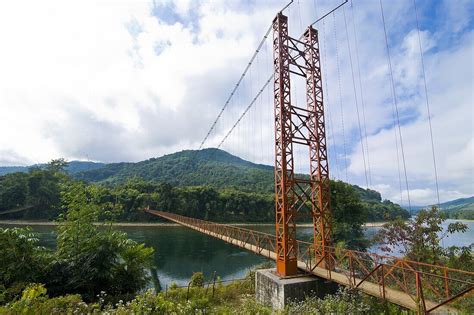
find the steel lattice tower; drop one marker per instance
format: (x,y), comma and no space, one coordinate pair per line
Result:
(299,126)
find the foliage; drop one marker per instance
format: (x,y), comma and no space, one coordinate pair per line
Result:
(461,214)
(33,291)
(13,190)
(420,239)
(234,298)
(21,259)
(208,184)
(71,168)
(462,208)
(343,302)
(35,301)
(197,280)
(378,210)
(37,191)
(349,215)
(384,211)
(90,258)
(211,167)
(221,170)
(125,203)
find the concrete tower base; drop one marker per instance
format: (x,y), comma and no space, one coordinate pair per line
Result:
(277,292)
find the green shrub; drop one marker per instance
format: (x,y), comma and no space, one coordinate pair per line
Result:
(35,301)
(344,302)
(197,279)
(173,286)
(21,258)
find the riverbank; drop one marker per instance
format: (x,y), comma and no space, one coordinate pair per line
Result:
(151,224)
(52,223)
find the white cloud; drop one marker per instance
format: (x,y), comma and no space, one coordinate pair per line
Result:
(128,80)
(450,92)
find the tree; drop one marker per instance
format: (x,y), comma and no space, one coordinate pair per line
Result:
(89,258)
(420,239)
(21,260)
(197,279)
(37,189)
(349,215)
(13,190)
(57,166)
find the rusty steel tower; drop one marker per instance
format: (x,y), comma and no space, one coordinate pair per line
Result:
(299,126)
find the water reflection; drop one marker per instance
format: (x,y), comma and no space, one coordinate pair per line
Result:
(180,251)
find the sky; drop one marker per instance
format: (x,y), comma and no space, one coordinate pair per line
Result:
(126,80)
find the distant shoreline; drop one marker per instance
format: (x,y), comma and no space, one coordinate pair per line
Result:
(151,224)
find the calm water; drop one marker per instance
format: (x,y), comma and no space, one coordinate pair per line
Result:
(181,251)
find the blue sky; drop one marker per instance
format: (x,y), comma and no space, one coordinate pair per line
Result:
(126,81)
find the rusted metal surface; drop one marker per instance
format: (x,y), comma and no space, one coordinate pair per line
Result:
(319,166)
(285,196)
(419,286)
(299,126)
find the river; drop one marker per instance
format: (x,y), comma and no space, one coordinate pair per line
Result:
(180,251)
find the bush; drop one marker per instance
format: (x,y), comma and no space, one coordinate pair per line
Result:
(197,279)
(344,302)
(90,259)
(35,301)
(22,260)
(234,298)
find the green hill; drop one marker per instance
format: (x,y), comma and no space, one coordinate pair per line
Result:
(378,209)
(458,204)
(462,208)
(184,170)
(211,167)
(220,170)
(72,168)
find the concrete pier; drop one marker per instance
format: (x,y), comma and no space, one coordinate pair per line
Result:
(277,292)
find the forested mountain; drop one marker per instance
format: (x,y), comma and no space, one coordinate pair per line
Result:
(378,209)
(241,189)
(462,208)
(73,167)
(12,169)
(211,167)
(458,204)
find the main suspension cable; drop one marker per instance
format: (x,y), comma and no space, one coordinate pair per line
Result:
(332,11)
(395,104)
(427,103)
(240,80)
(236,86)
(245,111)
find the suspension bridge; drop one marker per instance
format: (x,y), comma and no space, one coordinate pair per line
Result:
(299,134)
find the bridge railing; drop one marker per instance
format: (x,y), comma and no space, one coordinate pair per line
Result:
(429,286)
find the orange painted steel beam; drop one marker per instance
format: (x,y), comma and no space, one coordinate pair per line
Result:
(284,175)
(299,126)
(319,165)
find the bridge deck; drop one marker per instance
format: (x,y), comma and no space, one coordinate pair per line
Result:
(399,281)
